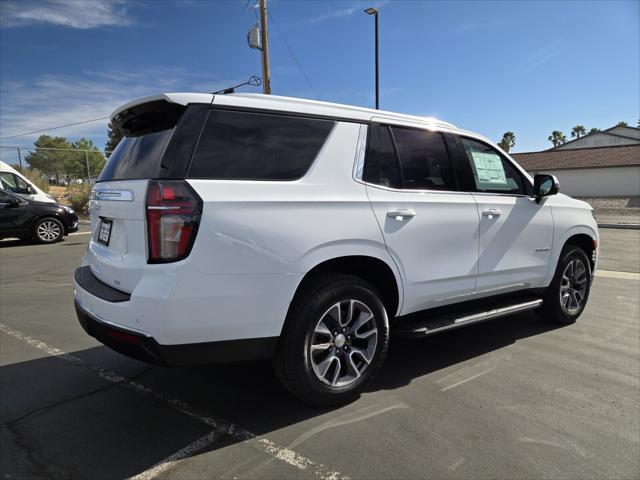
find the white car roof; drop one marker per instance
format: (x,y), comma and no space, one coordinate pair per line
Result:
(288,104)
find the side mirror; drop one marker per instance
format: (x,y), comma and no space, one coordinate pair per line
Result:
(545,185)
(31,190)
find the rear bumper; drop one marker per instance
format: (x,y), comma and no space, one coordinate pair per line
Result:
(145,348)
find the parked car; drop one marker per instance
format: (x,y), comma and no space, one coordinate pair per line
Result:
(13,181)
(44,222)
(235,227)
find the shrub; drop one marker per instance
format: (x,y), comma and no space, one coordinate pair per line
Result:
(78,196)
(38,178)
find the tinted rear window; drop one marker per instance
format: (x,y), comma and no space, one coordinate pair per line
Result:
(424,159)
(136,157)
(257,146)
(381,165)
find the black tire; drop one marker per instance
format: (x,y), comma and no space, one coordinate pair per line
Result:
(553,309)
(48,230)
(293,362)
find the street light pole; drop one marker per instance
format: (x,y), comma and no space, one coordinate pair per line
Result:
(374,12)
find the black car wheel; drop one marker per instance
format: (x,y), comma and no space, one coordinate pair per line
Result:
(567,295)
(49,230)
(334,341)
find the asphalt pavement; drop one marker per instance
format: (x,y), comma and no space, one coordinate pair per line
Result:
(511,398)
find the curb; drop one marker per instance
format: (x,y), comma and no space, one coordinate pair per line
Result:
(626,226)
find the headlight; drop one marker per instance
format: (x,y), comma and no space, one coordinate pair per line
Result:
(68,209)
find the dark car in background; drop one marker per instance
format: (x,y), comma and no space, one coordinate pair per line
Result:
(44,222)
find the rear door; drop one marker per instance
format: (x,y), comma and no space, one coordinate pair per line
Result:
(430,228)
(516,232)
(159,140)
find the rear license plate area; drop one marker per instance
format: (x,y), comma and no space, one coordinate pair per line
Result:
(104,231)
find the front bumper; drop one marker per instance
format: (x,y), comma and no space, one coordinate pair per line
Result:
(145,348)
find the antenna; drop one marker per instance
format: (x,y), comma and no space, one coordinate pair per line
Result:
(254,81)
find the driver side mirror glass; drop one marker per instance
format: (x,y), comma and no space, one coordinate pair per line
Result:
(545,185)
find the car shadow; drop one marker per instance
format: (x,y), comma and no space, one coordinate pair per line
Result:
(7,243)
(16,242)
(65,419)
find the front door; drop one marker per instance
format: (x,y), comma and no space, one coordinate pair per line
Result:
(430,228)
(516,232)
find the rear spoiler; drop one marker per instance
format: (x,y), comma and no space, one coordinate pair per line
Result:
(154,113)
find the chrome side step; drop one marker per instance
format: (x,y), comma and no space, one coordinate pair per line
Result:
(450,321)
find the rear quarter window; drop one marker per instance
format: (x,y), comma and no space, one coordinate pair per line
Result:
(257,146)
(136,157)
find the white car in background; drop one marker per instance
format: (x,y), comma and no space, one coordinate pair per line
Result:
(244,226)
(13,181)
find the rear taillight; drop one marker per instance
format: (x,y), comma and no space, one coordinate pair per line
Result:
(173,216)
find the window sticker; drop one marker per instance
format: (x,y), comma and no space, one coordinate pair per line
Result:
(489,170)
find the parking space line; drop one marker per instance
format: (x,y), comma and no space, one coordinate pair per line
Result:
(80,233)
(619,275)
(220,426)
(171,460)
(467,379)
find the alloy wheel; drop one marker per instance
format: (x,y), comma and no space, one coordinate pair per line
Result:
(343,343)
(573,286)
(49,231)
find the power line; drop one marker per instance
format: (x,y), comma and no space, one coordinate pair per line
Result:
(54,128)
(293,55)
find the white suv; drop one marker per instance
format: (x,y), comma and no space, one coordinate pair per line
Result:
(237,227)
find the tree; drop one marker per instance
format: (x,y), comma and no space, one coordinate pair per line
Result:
(557,138)
(114,138)
(622,123)
(51,162)
(578,131)
(508,141)
(594,130)
(79,162)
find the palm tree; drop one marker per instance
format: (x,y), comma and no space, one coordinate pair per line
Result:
(557,138)
(578,131)
(594,130)
(622,123)
(508,141)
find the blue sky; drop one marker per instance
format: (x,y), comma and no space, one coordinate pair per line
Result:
(528,67)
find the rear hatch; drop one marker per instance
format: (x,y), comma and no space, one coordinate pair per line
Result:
(159,139)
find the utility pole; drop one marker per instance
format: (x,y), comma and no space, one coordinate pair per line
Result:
(20,160)
(86,158)
(266,75)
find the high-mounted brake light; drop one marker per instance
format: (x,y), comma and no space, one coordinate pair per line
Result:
(173,215)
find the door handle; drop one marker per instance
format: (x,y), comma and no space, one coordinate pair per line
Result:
(492,212)
(401,214)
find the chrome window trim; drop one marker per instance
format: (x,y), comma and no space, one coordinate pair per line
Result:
(361,147)
(358,169)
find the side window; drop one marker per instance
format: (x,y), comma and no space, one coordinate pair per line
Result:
(424,160)
(257,146)
(8,181)
(492,172)
(22,185)
(381,165)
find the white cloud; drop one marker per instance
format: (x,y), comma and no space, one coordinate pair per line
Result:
(82,14)
(52,100)
(345,12)
(539,57)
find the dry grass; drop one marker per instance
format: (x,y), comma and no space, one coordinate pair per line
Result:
(60,194)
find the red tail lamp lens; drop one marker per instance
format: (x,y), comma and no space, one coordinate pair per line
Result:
(173,216)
